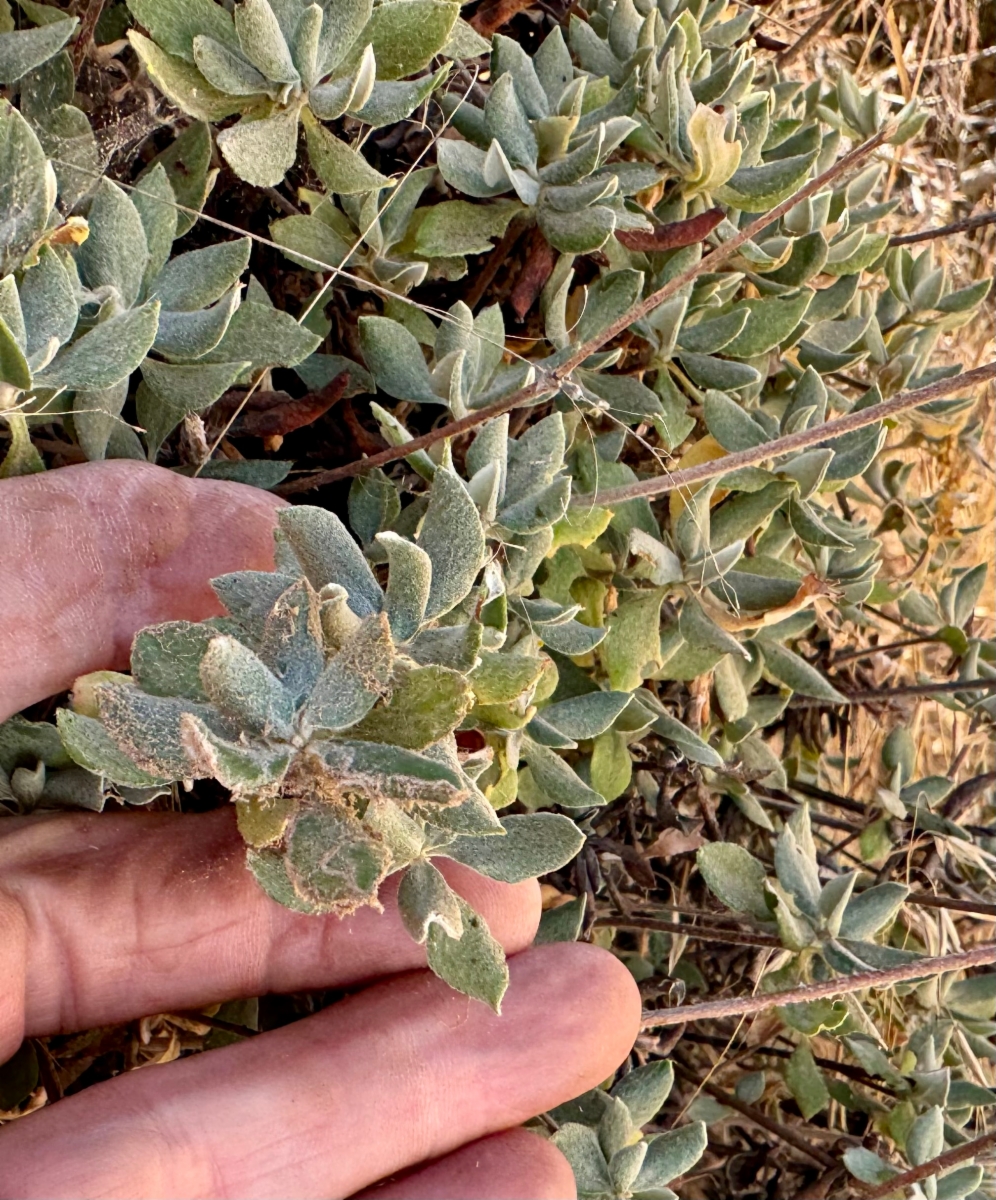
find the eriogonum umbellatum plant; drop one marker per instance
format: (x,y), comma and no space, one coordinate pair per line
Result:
(500,645)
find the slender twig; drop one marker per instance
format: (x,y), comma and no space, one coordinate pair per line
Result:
(786,1134)
(951,1158)
(219,1023)
(868,651)
(810,35)
(738,1006)
(926,235)
(977,907)
(742,1051)
(550,381)
(85,34)
(880,695)
(732,937)
(817,818)
(818,793)
(861,419)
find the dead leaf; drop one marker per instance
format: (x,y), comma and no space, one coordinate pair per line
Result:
(273,414)
(673,235)
(671,842)
(536,270)
(812,590)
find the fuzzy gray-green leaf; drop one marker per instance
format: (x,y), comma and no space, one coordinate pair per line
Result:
(106,354)
(354,680)
(426,900)
(473,964)
(244,688)
(22,50)
(533,845)
(330,555)
(408,583)
(90,745)
(792,670)
(453,538)
(558,783)
(734,876)
(198,278)
(671,1154)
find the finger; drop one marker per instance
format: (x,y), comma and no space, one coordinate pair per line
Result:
(92,553)
(514,1165)
(407,1071)
(132,913)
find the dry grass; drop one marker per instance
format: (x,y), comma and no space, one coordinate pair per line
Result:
(942,53)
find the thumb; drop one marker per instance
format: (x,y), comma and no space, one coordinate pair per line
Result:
(93,553)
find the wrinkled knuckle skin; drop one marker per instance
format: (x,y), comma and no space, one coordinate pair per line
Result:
(13,958)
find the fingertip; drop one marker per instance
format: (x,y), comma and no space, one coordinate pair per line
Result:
(13,969)
(597,1010)
(514,1165)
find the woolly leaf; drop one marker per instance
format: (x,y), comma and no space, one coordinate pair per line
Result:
(407,34)
(408,584)
(340,168)
(533,845)
(632,649)
(671,1154)
(261,150)
(106,354)
(453,538)
(734,876)
(426,900)
(395,359)
(200,277)
(556,781)
(806,1083)
(90,745)
(871,910)
(475,963)
(393,773)
(244,689)
(425,705)
(457,227)
(645,1089)
(788,668)
(22,50)
(584,717)
(27,187)
(166,659)
(330,555)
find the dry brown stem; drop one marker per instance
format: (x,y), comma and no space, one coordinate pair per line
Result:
(740,1006)
(549,382)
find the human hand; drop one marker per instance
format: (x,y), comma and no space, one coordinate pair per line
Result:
(110,917)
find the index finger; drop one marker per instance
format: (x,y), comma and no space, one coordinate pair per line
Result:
(92,553)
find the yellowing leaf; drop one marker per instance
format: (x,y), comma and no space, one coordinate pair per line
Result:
(714,159)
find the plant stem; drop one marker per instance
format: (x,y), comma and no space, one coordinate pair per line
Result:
(925,235)
(868,651)
(549,382)
(731,937)
(790,444)
(818,793)
(883,694)
(797,47)
(740,1006)
(950,1158)
(977,907)
(786,1134)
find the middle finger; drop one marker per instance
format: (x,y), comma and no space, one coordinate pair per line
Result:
(403,1072)
(137,913)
